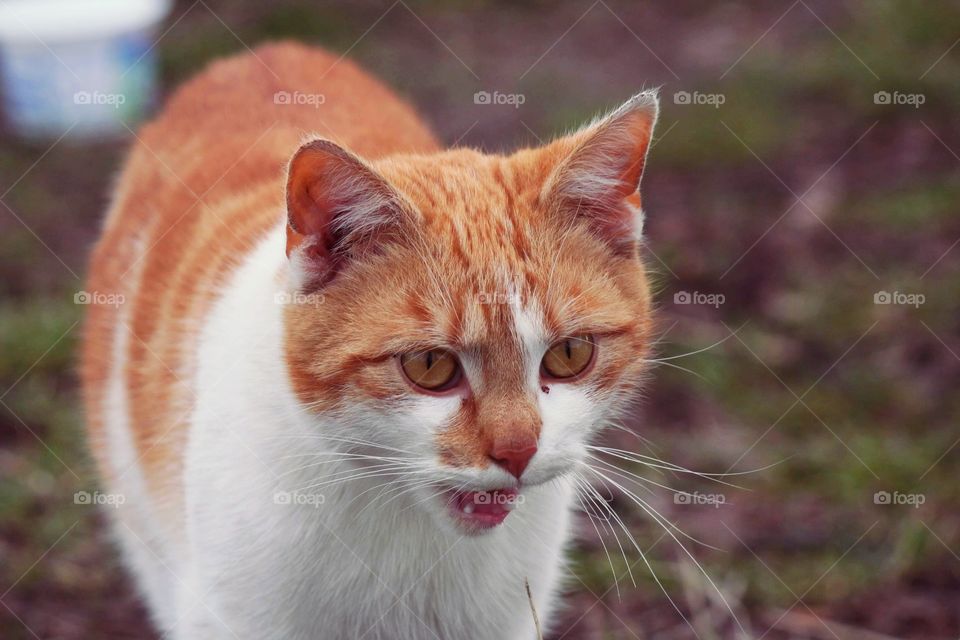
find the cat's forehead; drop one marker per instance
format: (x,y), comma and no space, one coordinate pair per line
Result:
(470,196)
(487,255)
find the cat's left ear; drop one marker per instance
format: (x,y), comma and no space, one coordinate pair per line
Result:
(598,174)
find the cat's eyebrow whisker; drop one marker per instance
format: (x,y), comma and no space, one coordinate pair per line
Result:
(733,334)
(669,527)
(661,363)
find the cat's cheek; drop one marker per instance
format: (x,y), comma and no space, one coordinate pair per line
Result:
(570,416)
(430,415)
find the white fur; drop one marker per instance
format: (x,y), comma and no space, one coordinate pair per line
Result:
(360,564)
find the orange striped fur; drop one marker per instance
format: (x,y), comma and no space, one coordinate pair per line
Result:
(209,178)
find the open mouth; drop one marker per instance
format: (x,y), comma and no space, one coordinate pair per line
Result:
(483,509)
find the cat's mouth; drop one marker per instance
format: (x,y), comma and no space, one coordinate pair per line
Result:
(483,509)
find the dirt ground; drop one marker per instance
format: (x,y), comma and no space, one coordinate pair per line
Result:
(803,231)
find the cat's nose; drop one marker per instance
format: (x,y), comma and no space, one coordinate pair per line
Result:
(513,457)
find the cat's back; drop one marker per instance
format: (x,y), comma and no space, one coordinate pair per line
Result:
(202,185)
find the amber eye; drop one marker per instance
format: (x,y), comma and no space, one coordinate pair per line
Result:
(433,370)
(568,357)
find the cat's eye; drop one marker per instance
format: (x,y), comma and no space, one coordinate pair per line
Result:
(569,357)
(433,370)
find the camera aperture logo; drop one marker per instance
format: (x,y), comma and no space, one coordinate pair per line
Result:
(899,298)
(99,98)
(99,298)
(496,497)
(497,98)
(299,98)
(896,498)
(500,297)
(714,100)
(299,297)
(897,98)
(697,297)
(296,498)
(697,498)
(96,498)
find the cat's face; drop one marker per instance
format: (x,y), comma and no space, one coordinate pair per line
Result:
(471,320)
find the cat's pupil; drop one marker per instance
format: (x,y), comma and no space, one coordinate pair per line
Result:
(429,359)
(569,350)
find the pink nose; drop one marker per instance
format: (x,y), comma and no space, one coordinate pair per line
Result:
(514,460)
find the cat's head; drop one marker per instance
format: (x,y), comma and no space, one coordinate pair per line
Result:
(472,320)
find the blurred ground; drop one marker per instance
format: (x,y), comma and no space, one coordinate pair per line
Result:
(779,215)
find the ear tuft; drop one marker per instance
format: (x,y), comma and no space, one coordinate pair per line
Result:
(599,175)
(334,200)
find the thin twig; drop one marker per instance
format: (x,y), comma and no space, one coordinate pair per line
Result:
(533,610)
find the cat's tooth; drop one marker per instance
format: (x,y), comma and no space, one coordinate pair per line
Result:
(468,508)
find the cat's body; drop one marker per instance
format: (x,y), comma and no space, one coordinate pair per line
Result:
(246,398)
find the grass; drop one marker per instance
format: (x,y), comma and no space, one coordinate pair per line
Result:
(881,417)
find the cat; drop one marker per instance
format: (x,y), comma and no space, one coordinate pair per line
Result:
(354,371)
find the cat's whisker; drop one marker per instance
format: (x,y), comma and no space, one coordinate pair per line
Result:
(674,366)
(697,351)
(644,505)
(354,441)
(434,495)
(669,527)
(355,476)
(653,573)
(624,473)
(601,502)
(639,458)
(580,498)
(346,470)
(391,487)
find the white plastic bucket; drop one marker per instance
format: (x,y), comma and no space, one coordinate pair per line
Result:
(83,66)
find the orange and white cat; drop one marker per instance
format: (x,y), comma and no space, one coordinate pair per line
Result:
(354,371)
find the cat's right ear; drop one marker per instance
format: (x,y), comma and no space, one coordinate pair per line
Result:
(335,204)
